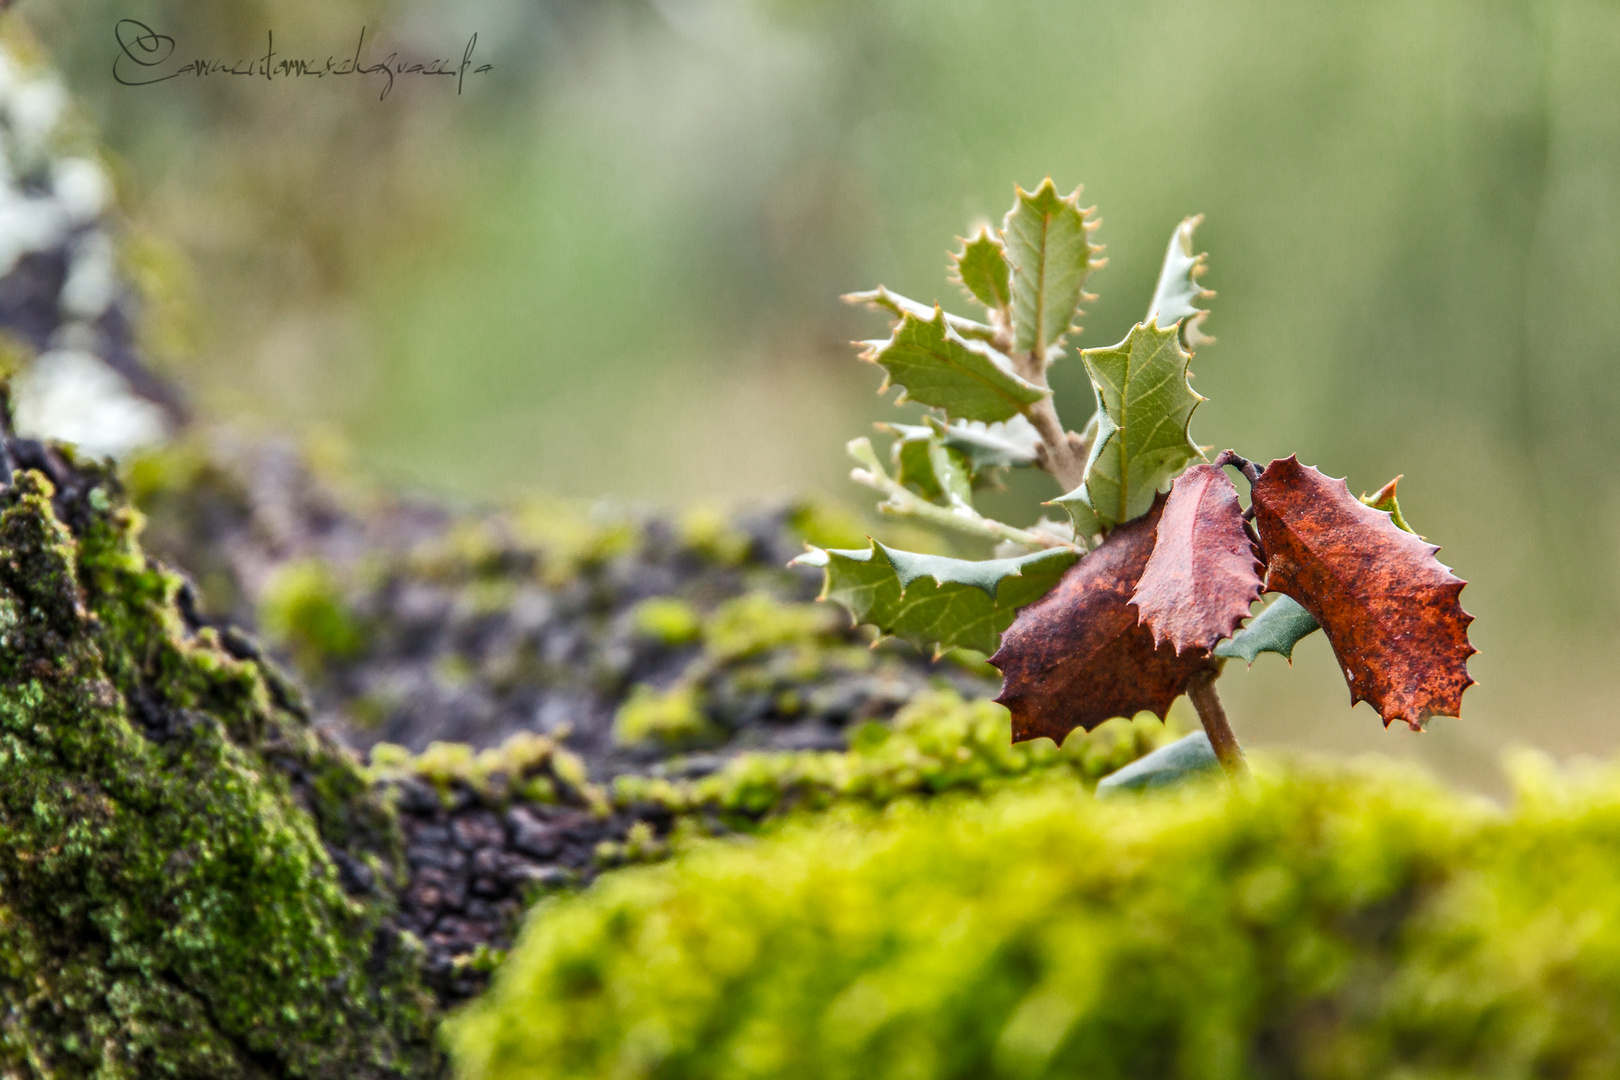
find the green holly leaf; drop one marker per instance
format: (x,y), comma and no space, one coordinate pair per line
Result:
(932,600)
(1278,628)
(1178,289)
(953,473)
(1048,244)
(937,366)
(935,470)
(1384,499)
(1144,404)
(912,466)
(981,267)
(899,306)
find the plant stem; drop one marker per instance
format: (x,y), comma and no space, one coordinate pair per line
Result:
(1201,689)
(903,501)
(1065,452)
(1250,471)
(1065,459)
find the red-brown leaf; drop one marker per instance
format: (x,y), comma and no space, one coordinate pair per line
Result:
(1388,606)
(1078,656)
(1205,571)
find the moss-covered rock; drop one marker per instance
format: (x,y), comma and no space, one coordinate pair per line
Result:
(553,690)
(1336,924)
(487,831)
(192,882)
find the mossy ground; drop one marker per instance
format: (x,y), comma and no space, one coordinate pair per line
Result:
(1335,923)
(192,883)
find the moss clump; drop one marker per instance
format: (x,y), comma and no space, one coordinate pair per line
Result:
(525,768)
(759,622)
(301,610)
(192,883)
(667,620)
(1326,925)
(571,536)
(826,524)
(935,744)
(711,534)
(673,717)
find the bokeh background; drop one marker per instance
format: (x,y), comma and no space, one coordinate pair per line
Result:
(610,267)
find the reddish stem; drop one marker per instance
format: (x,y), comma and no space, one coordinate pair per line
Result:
(1201,689)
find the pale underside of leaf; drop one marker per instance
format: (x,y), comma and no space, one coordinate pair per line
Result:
(1048,246)
(899,306)
(1278,628)
(936,366)
(1007,445)
(932,600)
(1144,406)
(1175,297)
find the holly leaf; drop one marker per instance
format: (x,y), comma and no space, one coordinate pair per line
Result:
(935,365)
(1389,608)
(1175,295)
(1079,656)
(1204,571)
(1144,404)
(1048,244)
(899,306)
(1384,499)
(981,267)
(952,473)
(913,459)
(923,462)
(1278,628)
(929,599)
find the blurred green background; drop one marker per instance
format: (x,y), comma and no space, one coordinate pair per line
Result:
(611,266)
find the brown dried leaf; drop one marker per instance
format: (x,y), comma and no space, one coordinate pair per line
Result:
(1078,656)
(1205,571)
(1388,606)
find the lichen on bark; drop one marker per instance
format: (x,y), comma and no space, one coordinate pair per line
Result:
(193,882)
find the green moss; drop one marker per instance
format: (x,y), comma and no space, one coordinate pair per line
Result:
(711,534)
(936,743)
(570,535)
(302,609)
(526,766)
(1329,924)
(827,525)
(640,844)
(758,622)
(169,893)
(674,716)
(667,619)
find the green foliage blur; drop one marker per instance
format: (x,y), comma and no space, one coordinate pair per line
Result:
(1327,925)
(612,266)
